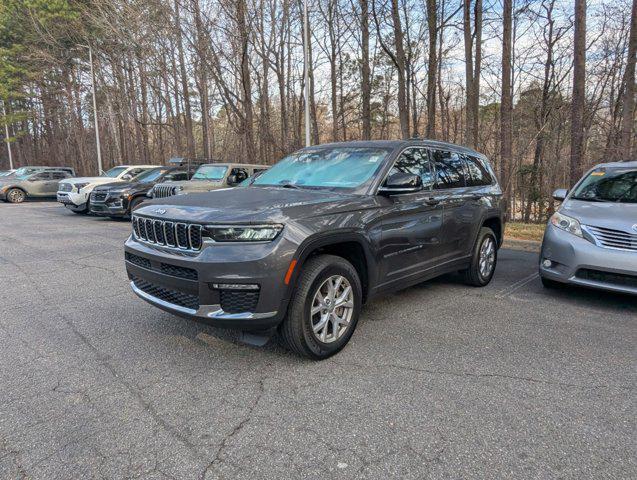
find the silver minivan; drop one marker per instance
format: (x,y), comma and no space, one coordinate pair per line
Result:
(592,239)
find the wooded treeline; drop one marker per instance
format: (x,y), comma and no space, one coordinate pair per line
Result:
(543,87)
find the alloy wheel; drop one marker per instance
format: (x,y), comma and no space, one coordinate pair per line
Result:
(487,257)
(16,196)
(332,309)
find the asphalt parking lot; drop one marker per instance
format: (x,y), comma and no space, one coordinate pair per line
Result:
(439,381)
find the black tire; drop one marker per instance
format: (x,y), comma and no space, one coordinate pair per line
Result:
(474,275)
(551,284)
(16,195)
(296,329)
(135,202)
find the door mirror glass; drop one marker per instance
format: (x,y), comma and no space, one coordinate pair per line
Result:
(127,177)
(400,183)
(560,194)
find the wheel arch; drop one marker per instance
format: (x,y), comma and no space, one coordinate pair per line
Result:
(352,246)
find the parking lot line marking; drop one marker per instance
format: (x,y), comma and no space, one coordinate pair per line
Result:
(516,286)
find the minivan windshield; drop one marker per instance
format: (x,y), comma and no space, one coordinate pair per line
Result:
(337,167)
(210,172)
(614,184)
(114,172)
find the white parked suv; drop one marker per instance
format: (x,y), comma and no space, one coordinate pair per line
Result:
(74,193)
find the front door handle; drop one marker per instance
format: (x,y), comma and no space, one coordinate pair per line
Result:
(432,201)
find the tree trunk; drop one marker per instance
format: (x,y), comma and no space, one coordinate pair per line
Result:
(246,85)
(403,108)
(432,25)
(628,109)
(365,71)
(506,102)
(190,138)
(579,83)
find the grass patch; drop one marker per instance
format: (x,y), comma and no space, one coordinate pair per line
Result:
(524,231)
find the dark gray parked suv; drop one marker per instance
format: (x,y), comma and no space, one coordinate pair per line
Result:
(305,244)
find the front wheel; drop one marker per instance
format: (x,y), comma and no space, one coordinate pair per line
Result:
(483,259)
(324,309)
(15,195)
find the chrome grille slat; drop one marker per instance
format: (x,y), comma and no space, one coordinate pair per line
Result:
(610,238)
(181,236)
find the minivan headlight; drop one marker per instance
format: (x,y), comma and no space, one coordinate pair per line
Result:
(243,233)
(566,223)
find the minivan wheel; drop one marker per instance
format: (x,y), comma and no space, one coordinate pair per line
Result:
(15,195)
(324,308)
(483,260)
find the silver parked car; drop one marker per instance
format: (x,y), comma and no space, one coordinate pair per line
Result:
(43,183)
(592,239)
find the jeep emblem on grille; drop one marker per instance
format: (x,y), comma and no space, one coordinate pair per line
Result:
(160,211)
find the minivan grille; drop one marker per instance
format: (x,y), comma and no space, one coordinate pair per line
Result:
(65,187)
(163,191)
(610,238)
(175,235)
(618,279)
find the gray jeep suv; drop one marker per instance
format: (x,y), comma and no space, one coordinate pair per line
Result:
(303,245)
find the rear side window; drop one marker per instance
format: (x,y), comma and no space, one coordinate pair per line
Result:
(450,169)
(415,161)
(59,175)
(478,173)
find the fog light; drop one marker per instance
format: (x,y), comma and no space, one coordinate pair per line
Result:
(547,263)
(235,286)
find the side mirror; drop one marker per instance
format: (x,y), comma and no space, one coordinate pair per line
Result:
(560,194)
(400,183)
(127,177)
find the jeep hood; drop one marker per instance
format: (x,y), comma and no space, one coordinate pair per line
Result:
(254,205)
(613,215)
(92,180)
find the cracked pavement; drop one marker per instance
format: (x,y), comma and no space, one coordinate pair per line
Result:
(439,381)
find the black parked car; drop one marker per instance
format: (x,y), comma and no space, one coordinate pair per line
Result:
(306,243)
(119,199)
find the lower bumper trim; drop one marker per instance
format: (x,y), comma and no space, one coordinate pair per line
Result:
(213,312)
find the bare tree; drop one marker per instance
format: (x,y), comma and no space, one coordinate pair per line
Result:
(579,93)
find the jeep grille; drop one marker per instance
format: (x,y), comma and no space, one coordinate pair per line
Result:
(182,236)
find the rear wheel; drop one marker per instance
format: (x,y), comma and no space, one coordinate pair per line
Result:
(324,309)
(15,195)
(483,260)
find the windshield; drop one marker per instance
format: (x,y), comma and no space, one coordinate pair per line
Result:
(608,185)
(150,175)
(210,172)
(24,172)
(338,167)
(114,172)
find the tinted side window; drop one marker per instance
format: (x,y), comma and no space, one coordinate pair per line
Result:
(176,177)
(59,175)
(450,169)
(478,173)
(136,171)
(240,173)
(41,176)
(416,162)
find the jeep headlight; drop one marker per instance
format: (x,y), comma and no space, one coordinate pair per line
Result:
(243,233)
(566,223)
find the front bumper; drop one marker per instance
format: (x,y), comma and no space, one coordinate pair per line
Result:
(109,206)
(188,284)
(577,261)
(77,199)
